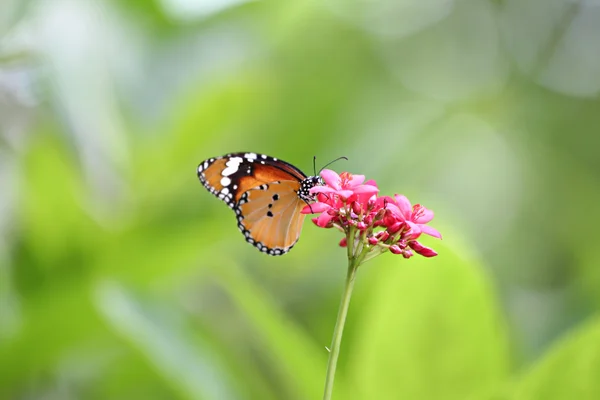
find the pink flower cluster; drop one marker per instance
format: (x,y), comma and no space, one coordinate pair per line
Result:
(374,224)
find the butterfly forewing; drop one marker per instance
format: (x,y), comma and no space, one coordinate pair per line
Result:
(265,194)
(240,172)
(210,173)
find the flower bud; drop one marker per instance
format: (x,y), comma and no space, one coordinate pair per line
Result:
(422,250)
(395,249)
(372,202)
(383,236)
(395,227)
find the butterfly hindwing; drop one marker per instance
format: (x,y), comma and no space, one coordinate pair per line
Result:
(270,217)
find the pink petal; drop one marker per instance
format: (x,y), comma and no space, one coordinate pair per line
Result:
(382,201)
(404,205)
(345,193)
(365,189)
(430,231)
(331,178)
(396,212)
(415,230)
(321,189)
(366,200)
(371,182)
(356,180)
(323,220)
(424,216)
(315,208)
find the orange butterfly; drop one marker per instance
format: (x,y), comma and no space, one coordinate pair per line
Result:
(266,194)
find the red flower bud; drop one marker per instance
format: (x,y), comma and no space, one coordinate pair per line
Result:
(395,249)
(395,227)
(383,236)
(422,250)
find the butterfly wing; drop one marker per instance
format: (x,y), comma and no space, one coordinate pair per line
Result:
(263,192)
(270,217)
(231,175)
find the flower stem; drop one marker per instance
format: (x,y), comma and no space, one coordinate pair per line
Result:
(339,327)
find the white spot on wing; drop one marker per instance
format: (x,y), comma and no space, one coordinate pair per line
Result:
(251,156)
(225,181)
(232,166)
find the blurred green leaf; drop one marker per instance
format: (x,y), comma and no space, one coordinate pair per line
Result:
(54,322)
(570,370)
(430,329)
(150,12)
(60,237)
(191,368)
(296,361)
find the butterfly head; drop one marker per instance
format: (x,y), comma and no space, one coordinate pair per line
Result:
(307,184)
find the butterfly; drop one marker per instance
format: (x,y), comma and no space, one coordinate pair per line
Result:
(266,195)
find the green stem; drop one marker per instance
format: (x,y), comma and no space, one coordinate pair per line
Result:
(339,325)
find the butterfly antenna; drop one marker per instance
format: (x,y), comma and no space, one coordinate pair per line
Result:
(315,165)
(331,162)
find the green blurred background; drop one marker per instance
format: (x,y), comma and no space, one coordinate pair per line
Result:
(122,278)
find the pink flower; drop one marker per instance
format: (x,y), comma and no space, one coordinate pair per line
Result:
(379,224)
(414,216)
(345,185)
